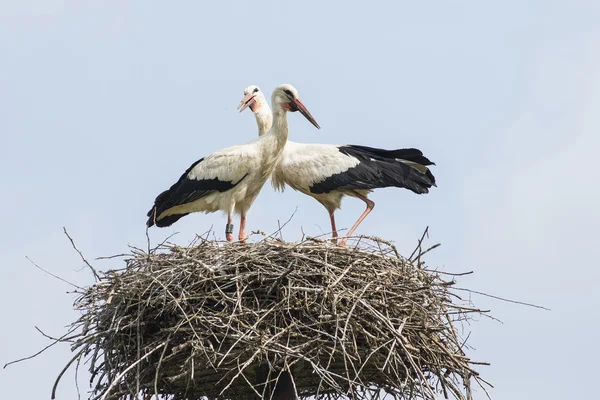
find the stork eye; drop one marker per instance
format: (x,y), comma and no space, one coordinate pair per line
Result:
(255,90)
(288,92)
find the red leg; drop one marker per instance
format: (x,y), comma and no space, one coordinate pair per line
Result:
(370,206)
(242,235)
(334,233)
(229,229)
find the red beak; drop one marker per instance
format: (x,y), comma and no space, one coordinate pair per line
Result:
(296,105)
(248,100)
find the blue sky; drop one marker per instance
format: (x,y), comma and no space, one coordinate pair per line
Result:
(104,104)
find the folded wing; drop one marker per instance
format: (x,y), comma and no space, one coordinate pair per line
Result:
(219,172)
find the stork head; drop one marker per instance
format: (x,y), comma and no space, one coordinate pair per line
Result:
(253,98)
(285,97)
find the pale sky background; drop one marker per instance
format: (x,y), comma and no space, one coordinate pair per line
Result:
(104,104)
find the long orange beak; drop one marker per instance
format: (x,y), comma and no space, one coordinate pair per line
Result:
(248,100)
(296,105)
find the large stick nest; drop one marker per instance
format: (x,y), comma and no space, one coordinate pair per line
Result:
(213,320)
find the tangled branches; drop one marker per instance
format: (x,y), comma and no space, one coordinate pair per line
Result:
(216,320)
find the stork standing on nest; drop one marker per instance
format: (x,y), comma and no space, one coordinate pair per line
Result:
(328,172)
(230,179)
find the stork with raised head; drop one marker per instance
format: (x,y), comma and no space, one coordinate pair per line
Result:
(328,172)
(230,179)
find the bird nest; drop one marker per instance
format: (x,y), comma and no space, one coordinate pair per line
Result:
(225,321)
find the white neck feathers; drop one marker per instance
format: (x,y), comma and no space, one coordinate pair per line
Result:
(264,118)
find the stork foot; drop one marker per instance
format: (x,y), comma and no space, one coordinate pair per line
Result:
(229,237)
(334,238)
(242,236)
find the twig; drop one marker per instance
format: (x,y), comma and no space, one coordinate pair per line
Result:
(51,274)
(410,258)
(39,352)
(96,276)
(503,299)
(53,396)
(282,226)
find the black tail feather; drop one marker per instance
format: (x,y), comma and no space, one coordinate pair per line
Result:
(414,155)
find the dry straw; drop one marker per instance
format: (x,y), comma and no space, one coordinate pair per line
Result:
(222,321)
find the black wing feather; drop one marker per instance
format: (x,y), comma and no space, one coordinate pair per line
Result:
(184,191)
(380,168)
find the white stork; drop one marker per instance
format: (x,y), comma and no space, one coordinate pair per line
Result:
(230,179)
(329,172)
